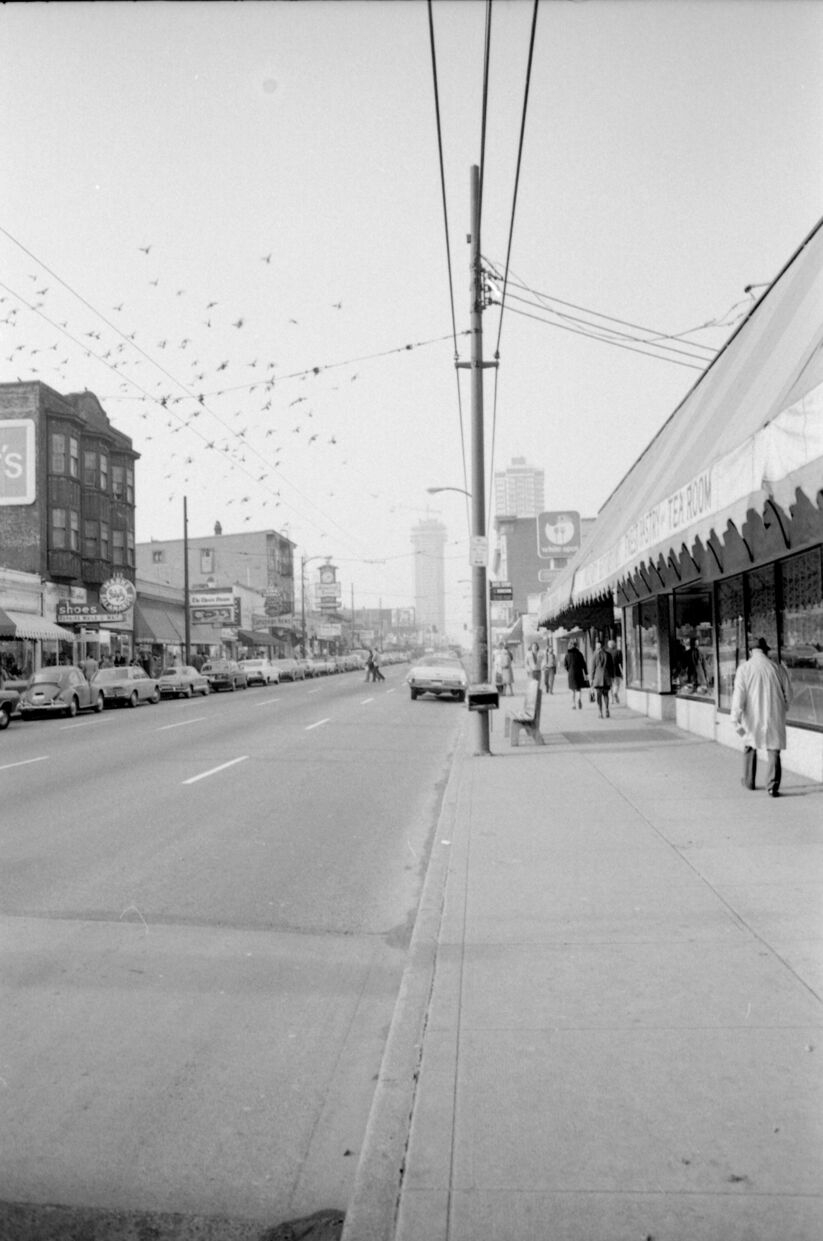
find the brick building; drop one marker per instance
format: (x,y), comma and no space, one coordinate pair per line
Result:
(67,504)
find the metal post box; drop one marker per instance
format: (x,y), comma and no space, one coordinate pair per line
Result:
(482,698)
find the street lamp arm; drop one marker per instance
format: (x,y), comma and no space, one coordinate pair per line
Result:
(462,490)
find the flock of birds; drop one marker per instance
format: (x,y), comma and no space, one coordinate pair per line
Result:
(198,382)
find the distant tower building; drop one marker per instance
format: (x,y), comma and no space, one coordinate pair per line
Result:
(518,491)
(428,540)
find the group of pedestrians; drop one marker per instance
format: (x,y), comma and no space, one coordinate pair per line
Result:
(603,678)
(373,672)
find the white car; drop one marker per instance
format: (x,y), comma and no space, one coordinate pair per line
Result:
(438,674)
(260,671)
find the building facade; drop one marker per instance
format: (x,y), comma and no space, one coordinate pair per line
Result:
(715,536)
(67,506)
(519,490)
(428,540)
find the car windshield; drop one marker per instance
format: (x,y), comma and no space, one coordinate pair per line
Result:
(109,674)
(172,672)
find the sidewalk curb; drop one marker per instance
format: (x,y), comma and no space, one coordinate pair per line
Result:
(372,1211)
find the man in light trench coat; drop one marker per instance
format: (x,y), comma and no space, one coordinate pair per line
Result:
(761,696)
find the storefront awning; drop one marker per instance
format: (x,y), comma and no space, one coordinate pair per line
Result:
(250,637)
(27,625)
(153,623)
(749,431)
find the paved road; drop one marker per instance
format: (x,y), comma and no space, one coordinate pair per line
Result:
(205,911)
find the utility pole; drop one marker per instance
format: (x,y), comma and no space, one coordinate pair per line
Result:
(186,609)
(480,625)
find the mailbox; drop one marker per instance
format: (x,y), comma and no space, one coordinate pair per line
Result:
(482,698)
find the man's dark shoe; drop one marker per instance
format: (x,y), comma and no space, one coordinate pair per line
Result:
(774,792)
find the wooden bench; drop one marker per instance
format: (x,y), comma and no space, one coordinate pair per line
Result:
(527,720)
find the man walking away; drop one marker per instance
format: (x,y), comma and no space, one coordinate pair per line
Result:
(549,668)
(602,676)
(762,694)
(617,660)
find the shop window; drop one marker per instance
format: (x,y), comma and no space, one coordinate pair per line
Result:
(158,556)
(90,540)
(642,646)
(693,662)
(762,607)
(57,463)
(801,627)
(731,637)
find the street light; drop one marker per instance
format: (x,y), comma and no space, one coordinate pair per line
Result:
(304,560)
(433,490)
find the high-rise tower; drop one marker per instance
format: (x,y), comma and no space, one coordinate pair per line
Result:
(428,540)
(518,490)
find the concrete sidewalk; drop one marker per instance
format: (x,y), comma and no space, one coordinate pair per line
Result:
(611,1027)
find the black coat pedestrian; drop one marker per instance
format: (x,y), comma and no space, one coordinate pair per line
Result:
(575,665)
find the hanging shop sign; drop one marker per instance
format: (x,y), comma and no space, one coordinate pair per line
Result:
(117,594)
(558,534)
(214,607)
(17,461)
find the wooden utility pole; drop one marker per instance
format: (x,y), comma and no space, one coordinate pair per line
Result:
(186,608)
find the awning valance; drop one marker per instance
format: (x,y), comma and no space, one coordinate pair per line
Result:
(251,638)
(27,625)
(153,623)
(749,431)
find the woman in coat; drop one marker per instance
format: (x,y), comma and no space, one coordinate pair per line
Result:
(503,672)
(575,665)
(602,677)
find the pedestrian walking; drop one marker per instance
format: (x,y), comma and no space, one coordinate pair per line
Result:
(369,664)
(89,666)
(602,675)
(549,668)
(532,661)
(575,666)
(377,675)
(503,672)
(617,661)
(761,696)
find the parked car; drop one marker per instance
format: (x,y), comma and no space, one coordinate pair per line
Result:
(290,669)
(59,690)
(225,674)
(320,666)
(9,702)
(182,681)
(260,671)
(126,686)
(438,674)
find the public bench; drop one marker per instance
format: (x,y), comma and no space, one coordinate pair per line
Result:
(527,719)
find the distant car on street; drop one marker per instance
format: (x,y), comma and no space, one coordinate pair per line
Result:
(182,681)
(439,675)
(320,666)
(225,674)
(290,669)
(260,671)
(59,690)
(126,686)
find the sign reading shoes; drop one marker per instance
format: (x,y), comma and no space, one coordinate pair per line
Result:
(17,461)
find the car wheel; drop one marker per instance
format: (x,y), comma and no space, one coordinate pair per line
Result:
(413,693)
(461,697)
(133,701)
(100,703)
(72,708)
(189,691)
(233,685)
(155,698)
(4,720)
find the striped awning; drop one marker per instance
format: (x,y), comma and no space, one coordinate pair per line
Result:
(28,625)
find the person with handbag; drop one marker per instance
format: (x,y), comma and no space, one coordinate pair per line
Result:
(549,668)
(602,677)
(575,666)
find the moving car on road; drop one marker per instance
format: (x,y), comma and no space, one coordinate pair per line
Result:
(126,686)
(260,671)
(59,690)
(439,675)
(225,674)
(182,681)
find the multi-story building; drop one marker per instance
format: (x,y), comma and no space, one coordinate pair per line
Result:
(259,561)
(67,504)
(428,540)
(519,490)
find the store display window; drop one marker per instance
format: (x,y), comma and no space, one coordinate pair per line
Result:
(801,635)
(693,654)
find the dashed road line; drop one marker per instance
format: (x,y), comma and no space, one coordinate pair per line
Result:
(41,758)
(213,771)
(181,723)
(309,727)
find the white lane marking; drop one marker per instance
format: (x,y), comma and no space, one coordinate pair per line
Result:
(266,702)
(365,700)
(181,723)
(41,758)
(82,723)
(309,727)
(214,770)
(313,691)
(390,691)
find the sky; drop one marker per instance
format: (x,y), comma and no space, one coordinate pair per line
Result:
(227,221)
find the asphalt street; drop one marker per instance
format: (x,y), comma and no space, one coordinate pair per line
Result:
(205,909)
